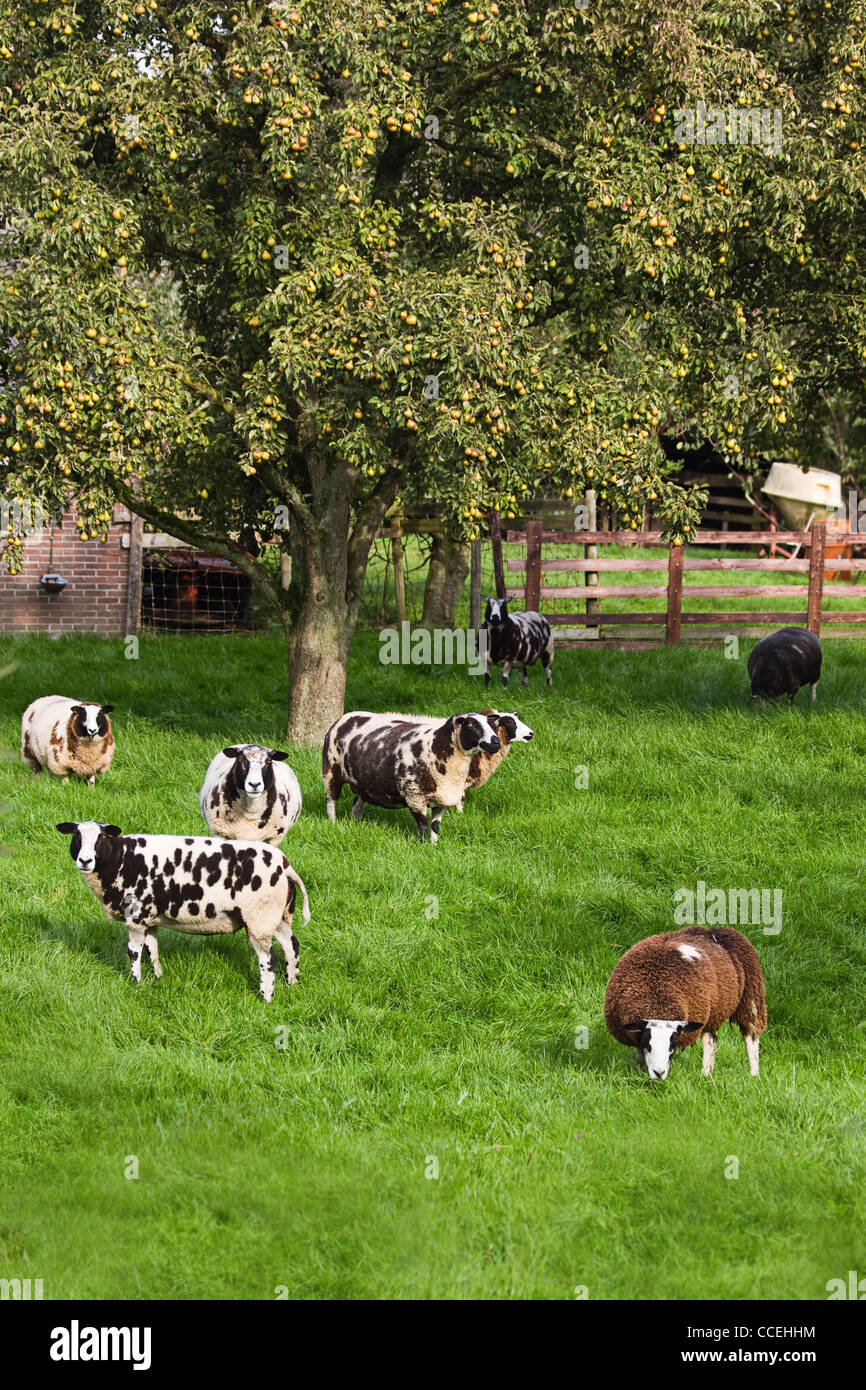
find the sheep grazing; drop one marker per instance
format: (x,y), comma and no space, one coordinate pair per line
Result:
(67,736)
(518,639)
(191,884)
(393,760)
(250,793)
(671,989)
(781,663)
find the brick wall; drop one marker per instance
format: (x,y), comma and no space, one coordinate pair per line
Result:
(95,598)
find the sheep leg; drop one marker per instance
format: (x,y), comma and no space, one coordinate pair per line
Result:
(291,951)
(710,1044)
(435,823)
(267,958)
(334,784)
(814,691)
(153,951)
(134,948)
(547,662)
(358,807)
(524,679)
(506,671)
(35,766)
(421,821)
(753,1044)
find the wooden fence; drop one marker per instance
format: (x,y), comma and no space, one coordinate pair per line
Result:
(680,561)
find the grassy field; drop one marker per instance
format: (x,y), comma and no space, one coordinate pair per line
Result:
(441,993)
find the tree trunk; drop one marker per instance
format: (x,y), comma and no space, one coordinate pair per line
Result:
(329,562)
(318,649)
(449,566)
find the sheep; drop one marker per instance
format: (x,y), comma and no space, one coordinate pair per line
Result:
(781,663)
(517,639)
(67,736)
(193,884)
(670,989)
(392,760)
(250,793)
(508,729)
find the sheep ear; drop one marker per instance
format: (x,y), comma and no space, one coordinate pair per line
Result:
(276,755)
(107,709)
(111,829)
(232,752)
(78,709)
(637,1025)
(690,1027)
(67,827)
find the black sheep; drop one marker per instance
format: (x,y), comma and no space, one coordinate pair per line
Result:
(781,663)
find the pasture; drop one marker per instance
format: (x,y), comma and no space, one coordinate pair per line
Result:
(442,990)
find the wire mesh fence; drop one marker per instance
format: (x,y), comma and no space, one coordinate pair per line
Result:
(188,591)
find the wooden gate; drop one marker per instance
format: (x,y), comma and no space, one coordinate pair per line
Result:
(679,562)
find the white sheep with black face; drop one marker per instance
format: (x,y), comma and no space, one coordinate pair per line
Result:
(250,793)
(66,736)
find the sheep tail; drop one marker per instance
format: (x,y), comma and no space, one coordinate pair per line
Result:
(287,915)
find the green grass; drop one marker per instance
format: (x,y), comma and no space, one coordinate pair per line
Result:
(413,1037)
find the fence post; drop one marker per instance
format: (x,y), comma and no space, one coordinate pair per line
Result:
(496,545)
(399,573)
(675,596)
(532,592)
(133,592)
(475,584)
(591,553)
(818,547)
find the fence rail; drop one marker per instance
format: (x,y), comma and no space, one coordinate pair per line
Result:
(674,566)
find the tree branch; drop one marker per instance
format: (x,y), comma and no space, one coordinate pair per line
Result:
(223,546)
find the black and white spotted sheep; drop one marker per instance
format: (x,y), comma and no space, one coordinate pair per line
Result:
(250,793)
(192,884)
(781,663)
(516,639)
(391,760)
(67,736)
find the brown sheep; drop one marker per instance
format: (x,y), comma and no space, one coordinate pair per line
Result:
(671,989)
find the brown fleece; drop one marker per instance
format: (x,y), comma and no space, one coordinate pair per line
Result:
(654,980)
(484,765)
